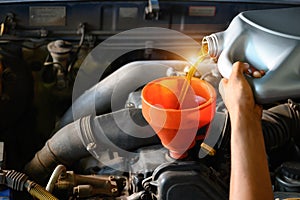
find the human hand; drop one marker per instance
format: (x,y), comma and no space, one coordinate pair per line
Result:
(237,93)
(247,141)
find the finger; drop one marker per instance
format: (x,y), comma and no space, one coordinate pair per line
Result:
(239,68)
(246,67)
(222,83)
(224,80)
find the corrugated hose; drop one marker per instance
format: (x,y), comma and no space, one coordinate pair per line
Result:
(18,181)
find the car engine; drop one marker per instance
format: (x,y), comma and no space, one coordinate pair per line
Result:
(71,123)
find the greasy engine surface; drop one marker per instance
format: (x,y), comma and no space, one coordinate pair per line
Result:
(43,44)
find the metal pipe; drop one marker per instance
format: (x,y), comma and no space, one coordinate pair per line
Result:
(54,176)
(38,191)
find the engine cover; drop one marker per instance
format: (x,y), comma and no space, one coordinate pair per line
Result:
(188,180)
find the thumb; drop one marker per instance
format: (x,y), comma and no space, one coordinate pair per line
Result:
(222,83)
(239,68)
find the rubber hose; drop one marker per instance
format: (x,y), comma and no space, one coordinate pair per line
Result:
(98,99)
(64,147)
(280,124)
(91,135)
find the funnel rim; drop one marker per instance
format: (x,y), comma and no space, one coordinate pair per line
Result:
(209,101)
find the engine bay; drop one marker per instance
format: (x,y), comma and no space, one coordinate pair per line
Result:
(71,123)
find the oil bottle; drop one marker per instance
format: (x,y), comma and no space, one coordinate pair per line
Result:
(268,40)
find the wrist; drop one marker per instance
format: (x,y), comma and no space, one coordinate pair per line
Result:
(250,117)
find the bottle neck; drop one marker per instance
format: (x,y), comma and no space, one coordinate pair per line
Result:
(214,43)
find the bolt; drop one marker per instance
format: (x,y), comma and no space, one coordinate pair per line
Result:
(114,190)
(130,105)
(91,146)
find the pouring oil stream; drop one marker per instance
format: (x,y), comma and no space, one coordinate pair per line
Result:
(202,54)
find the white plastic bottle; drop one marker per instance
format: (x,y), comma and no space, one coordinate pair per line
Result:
(269,40)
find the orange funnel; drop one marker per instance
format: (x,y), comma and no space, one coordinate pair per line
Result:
(175,123)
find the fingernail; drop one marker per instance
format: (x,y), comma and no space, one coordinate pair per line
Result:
(256,74)
(246,65)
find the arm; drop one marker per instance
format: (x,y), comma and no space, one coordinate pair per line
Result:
(249,168)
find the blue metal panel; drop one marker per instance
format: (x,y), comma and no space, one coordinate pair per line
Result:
(110,17)
(5,194)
